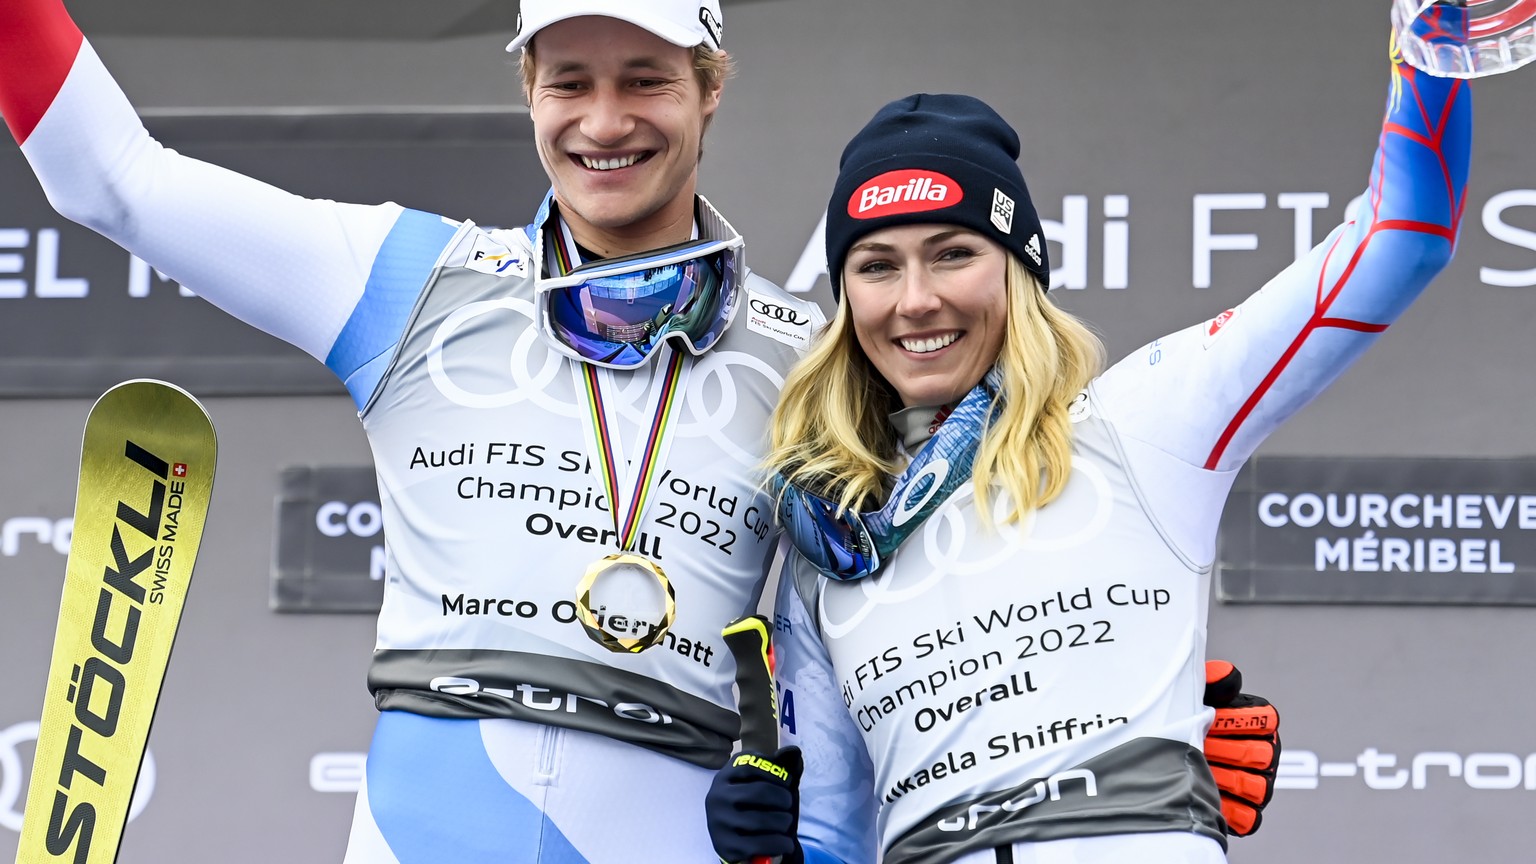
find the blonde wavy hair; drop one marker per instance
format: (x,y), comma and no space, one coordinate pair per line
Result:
(831,431)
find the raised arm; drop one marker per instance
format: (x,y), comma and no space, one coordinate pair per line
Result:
(1209,395)
(294,267)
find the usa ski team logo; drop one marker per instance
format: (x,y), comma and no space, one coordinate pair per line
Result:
(910,190)
(1002,212)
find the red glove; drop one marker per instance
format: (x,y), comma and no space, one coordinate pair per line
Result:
(1242,747)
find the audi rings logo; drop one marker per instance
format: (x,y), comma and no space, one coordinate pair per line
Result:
(13,776)
(948,544)
(777,312)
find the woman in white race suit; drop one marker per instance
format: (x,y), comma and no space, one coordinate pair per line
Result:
(1020,681)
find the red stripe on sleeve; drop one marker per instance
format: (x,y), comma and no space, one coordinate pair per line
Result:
(38,45)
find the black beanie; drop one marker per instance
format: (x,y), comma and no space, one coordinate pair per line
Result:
(934,158)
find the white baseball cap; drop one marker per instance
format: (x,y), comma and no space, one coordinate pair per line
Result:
(682,22)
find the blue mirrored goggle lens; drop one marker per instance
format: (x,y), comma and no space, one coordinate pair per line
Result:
(620,319)
(839,546)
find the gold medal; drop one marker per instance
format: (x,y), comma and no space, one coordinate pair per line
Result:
(621,633)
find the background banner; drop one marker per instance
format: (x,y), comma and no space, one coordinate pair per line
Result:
(329,551)
(1180,155)
(1370,530)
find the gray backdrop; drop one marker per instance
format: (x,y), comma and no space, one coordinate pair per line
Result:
(1159,103)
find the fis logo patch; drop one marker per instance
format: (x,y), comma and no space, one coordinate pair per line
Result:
(488,256)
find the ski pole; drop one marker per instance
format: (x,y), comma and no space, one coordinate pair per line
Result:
(758,704)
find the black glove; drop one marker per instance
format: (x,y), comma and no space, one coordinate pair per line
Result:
(1242,747)
(753,807)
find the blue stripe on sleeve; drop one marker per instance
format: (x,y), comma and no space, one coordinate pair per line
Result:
(405,260)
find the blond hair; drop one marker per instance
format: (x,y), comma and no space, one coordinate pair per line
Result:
(831,431)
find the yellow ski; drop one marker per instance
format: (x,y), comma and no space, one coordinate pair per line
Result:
(146,474)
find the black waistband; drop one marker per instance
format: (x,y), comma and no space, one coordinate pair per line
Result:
(1005,854)
(523,686)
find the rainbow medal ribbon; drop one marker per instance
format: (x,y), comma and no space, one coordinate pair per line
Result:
(627,485)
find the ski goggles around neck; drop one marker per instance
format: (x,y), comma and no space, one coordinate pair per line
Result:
(846,544)
(836,541)
(616,312)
